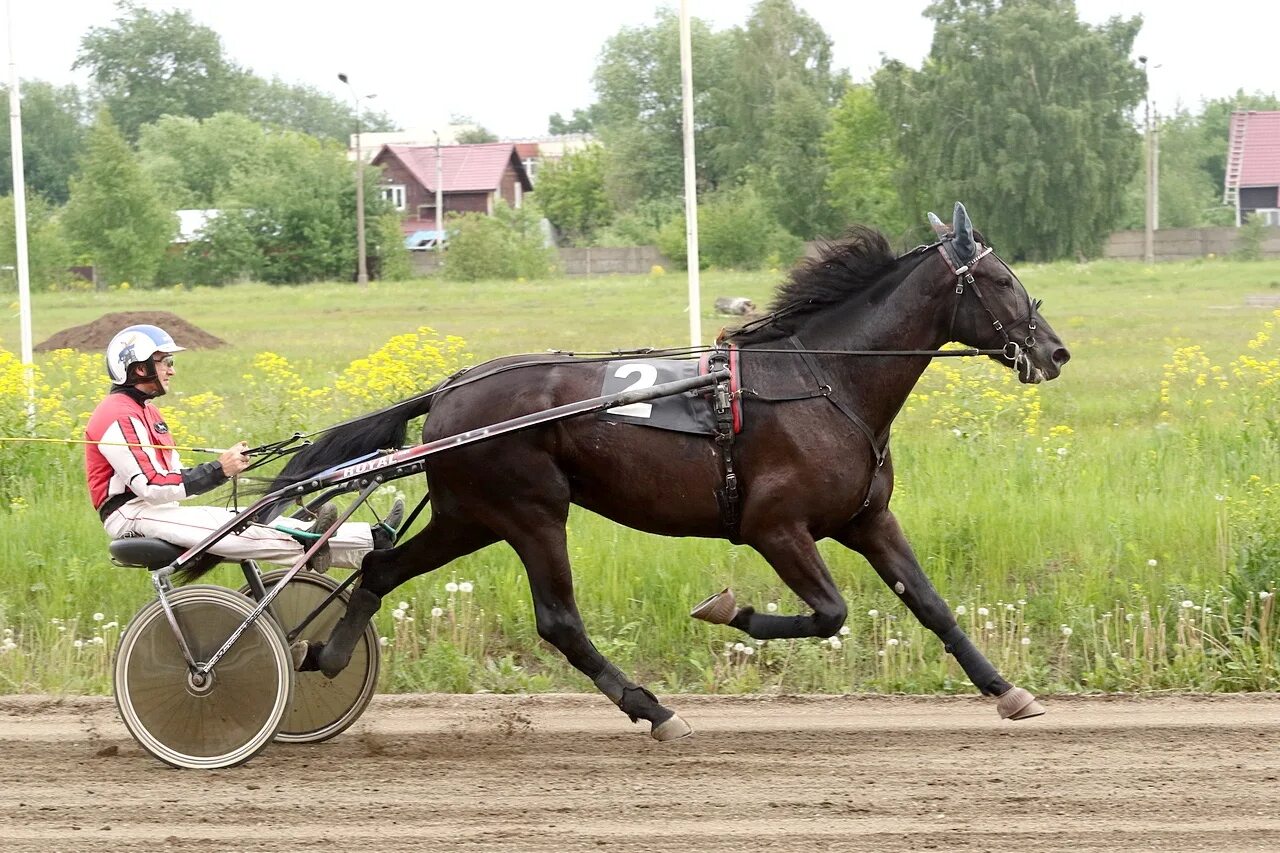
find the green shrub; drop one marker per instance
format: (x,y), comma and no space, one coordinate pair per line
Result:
(510,244)
(735,231)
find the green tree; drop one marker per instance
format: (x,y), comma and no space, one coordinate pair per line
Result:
(149,64)
(582,121)
(114,214)
(571,193)
(48,255)
(308,110)
(864,164)
(195,161)
(1026,114)
(473,132)
(53,131)
(736,230)
(640,113)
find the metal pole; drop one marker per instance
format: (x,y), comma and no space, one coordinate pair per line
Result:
(362,265)
(439,199)
(1155,166)
(690,177)
(22,269)
(1149,232)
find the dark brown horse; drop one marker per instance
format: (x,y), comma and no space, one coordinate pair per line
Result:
(811,460)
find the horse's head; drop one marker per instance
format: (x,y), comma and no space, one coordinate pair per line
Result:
(992,309)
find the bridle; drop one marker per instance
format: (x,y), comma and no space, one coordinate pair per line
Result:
(1017,352)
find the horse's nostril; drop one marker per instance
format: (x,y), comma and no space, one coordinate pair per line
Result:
(1061,356)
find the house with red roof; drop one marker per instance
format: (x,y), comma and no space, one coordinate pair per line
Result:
(471,178)
(1252,183)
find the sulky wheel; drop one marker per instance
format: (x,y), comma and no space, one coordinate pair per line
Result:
(322,707)
(234,713)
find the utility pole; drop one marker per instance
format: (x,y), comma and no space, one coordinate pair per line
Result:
(439,199)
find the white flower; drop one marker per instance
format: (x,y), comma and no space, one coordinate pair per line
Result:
(748,651)
(404,605)
(1010,606)
(97,641)
(1062,451)
(382,641)
(1263,595)
(98,617)
(79,644)
(961,610)
(728,646)
(1153,562)
(738,647)
(880,653)
(844,630)
(772,607)
(892,641)
(1187,604)
(397,614)
(437,612)
(465,586)
(990,626)
(112,624)
(873,613)
(1066,630)
(1219,498)
(982,611)
(834,642)
(451,587)
(8,632)
(1026,641)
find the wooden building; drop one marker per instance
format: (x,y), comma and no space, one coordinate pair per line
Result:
(1252,183)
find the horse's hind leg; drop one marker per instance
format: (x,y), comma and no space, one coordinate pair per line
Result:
(539,540)
(879,538)
(442,541)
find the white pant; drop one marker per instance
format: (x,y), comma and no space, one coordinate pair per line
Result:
(188,526)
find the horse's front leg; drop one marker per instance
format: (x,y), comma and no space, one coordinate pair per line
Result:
(794,556)
(880,539)
(542,549)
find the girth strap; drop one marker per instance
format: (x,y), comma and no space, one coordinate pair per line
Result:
(729,497)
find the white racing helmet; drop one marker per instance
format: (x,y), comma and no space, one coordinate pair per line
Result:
(137,344)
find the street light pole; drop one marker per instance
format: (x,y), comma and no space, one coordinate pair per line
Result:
(362,267)
(1149,230)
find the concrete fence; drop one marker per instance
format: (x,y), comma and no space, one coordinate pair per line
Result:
(624,260)
(1177,244)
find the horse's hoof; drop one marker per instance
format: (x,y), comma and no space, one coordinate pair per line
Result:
(1018,704)
(330,663)
(673,728)
(718,609)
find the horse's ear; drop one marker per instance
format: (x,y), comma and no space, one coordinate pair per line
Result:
(939,227)
(963,229)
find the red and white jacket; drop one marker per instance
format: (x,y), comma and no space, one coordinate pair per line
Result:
(135,457)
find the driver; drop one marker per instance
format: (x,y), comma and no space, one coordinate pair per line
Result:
(136,479)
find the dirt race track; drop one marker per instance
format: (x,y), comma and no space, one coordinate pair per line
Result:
(568,773)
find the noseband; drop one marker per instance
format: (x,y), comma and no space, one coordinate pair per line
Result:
(1014,351)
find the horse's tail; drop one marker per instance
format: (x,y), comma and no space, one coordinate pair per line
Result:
(351,439)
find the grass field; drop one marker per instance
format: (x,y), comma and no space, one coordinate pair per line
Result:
(1110,530)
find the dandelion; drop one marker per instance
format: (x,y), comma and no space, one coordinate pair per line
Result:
(982,611)
(1187,604)
(79,644)
(738,647)
(748,651)
(772,607)
(98,617)
(404,605)
(873,613)
(1263,595)
(892,641)
(1026,641)
(880,653)
(834,642)
(397,614)
(1062,451)
(451,587)
(382,641)
(1219,498)
(437,612)
(990,626)
(960,611)
(465,586)
(1066,630)
(1153,562)
(1010,606)
(844,630)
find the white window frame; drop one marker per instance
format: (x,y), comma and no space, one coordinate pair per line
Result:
(394,193)
(1269,215)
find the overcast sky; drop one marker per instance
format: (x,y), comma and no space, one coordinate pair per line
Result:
(509,65)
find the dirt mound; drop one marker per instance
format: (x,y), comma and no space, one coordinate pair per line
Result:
(94,337)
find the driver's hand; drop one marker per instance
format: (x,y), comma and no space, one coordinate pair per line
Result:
(235,459)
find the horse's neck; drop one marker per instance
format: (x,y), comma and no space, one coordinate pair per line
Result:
(909,318)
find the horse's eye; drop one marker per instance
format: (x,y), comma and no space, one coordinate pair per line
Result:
(1004,282)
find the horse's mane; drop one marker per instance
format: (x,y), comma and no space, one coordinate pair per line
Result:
(859,263)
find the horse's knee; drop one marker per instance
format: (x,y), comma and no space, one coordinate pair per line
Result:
(559,631)
(827,620)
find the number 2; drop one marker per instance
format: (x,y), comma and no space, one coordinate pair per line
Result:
(648,376)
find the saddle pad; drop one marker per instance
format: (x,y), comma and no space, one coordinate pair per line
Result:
(688,412)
